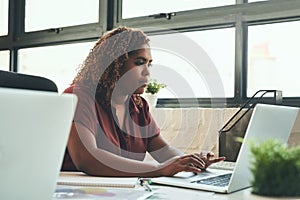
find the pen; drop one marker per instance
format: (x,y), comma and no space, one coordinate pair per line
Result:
(145,183)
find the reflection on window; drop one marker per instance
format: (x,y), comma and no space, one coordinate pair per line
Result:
(40,15)
(58,63)
(3,17)
(4,60)
(195,64)
(273,59)
(138,8)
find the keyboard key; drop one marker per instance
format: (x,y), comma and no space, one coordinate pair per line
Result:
(227,165)
(221,180)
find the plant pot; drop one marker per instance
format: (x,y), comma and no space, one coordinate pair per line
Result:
(151,99)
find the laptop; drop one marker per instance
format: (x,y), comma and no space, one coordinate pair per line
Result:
(34,128)
(266,122)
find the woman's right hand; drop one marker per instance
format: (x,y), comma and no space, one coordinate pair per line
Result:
(188,163)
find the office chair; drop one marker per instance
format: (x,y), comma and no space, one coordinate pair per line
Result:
(24,81)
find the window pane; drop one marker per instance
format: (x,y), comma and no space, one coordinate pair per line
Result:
(3,17)
(273,59)
(194,64)
(58,63)
(4,60)
(137,8)
(40,15)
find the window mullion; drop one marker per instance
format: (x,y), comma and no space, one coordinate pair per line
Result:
(240,61)
(16,18)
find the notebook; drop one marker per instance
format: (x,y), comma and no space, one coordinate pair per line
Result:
(81,179)
(34,128)
(266,122)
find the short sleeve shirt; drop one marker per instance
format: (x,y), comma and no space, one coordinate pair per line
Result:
(131,141)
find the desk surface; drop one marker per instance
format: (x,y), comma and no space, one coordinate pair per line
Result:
(246,195)
(158,192)
(181,193)
(161,192)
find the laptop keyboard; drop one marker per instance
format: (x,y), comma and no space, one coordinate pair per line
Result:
(226,165)
(221,180)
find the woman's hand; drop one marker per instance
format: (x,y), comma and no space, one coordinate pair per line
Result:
(188,163)
(208,158)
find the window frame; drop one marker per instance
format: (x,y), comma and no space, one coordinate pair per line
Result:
(241,15)
(17,38)
(59,34)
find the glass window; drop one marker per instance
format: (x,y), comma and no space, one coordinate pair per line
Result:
(273,59)
(40,15)
(4,60)
(58,63)
(3,17)
(194,64)
(138,8)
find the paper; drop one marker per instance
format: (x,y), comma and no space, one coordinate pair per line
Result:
(81,179)
(77,192)
(171,193)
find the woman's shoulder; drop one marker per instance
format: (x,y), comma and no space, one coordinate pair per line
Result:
(69,89)
(78,89)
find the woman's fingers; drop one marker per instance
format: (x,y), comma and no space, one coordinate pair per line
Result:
(191,168)
(208,158)
(217,160)
(196,160)
(186,163)
(193,161)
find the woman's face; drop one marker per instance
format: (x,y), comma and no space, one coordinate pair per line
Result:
(135,73)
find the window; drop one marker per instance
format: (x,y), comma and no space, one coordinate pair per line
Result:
(273,59)
(248,47)
(202,67)
(40,15)
(58,63)
(138,8)
(3,17)
(4,60)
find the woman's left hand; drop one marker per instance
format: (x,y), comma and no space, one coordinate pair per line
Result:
(208,158)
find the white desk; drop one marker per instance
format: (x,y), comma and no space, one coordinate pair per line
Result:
(170,193)
(189,194)
(246,195)
(159,192)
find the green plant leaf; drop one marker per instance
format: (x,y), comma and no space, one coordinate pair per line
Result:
(153,86)
(275,169)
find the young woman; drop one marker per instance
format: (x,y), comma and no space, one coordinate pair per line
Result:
(113,128)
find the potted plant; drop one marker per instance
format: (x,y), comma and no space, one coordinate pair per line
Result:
(275,169)
(152,89)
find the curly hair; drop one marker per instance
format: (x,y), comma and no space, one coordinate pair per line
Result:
(102,68)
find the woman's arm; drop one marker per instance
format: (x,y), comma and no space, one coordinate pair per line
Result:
(88,158)
(161,151)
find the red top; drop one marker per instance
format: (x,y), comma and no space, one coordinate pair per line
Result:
(132,142)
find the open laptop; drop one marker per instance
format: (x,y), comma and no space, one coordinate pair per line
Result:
(266,122)
(34,128)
